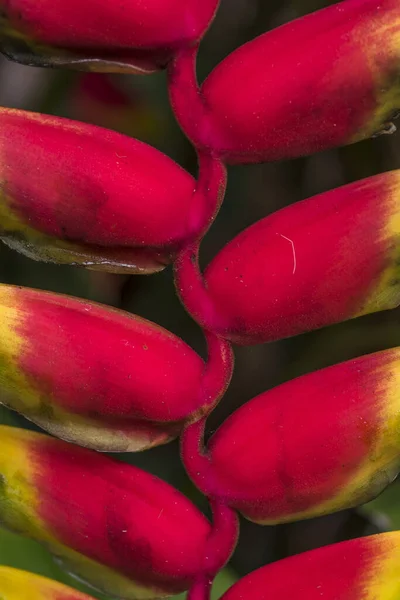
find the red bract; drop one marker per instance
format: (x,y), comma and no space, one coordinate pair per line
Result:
(93,375)
(317,262)
(324,80)
(124,531)
(315,445)
(100,35)
(78,194)
(361,569)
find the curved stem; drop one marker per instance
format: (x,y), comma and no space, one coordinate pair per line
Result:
(208,196)
(193,293)
(219,548)
(217,373)
(195,458)
(223,538)
(215,381)
(187,101)
(196,122)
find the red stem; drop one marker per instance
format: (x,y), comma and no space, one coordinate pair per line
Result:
(215,381)
(208,196)
(196,459)
(196,121)
(220,545)
(193,293)
(223,537)
(217,373)
(187,101)
(200,590)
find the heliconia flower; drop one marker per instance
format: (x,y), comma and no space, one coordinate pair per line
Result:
(315,445)
(361,569)
(16,585)
(317,262)
(99,35)
(94,375)
(324,80)
(78,194)
(120,529)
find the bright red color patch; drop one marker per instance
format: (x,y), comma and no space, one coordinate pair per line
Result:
(104,363)
(310,85)
(312,264)
(118,515)
(127,32)
(336,572)
(299,444)
(89,185)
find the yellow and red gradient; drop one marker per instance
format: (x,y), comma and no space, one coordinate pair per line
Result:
(21,585)
(317,262)
(122,530)
(360,569)
(321,443)
(99,35)
(93,375)
(79,194)
(324,80)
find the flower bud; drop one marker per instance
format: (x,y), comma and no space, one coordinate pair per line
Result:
(78,194)
(16,585)
(123,531)
(94,375)
(358,569)
(317,262)
(324,80)
(313,446)
(99,35)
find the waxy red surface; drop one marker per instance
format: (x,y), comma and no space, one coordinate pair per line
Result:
(118,515)
(312,84)
(104,363)
(299,444)
(142,33)
(336,572)
(89,185)
(312,264)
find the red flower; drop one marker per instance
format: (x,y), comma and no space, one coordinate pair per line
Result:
(317,262)
(122,530)
(100,35)
(93,375)
(313,446)
(361,569)
(78,194)
(325,80)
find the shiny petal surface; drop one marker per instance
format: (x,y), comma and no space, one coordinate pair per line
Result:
(321,81)
(124,531)
(320,261)
(99,35)
(315,445)
(361,569)
(20,585)
(79,194)
(93,375)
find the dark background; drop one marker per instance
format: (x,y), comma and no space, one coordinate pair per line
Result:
(139,107)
